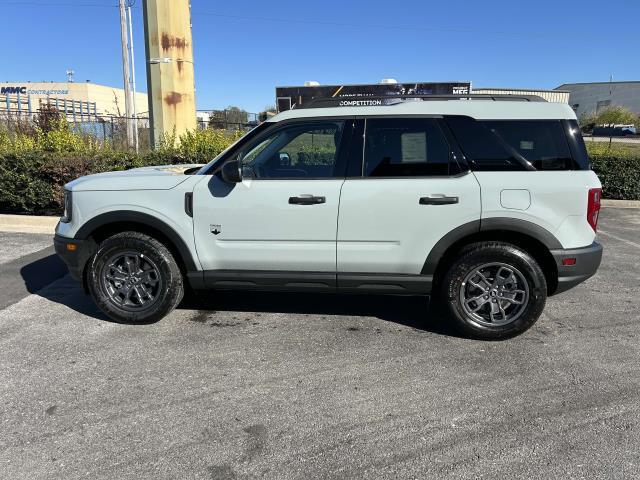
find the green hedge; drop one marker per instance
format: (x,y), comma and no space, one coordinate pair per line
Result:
(32,179)
(35,168)
(618,167)
(32,182)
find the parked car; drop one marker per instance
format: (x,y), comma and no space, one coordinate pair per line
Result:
(488,205)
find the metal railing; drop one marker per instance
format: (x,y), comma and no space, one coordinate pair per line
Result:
(113,128)
(103,128)
(228,119)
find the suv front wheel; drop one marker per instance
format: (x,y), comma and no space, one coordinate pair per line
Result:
(494,291)
(134,278)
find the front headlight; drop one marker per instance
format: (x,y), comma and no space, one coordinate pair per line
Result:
(68,207)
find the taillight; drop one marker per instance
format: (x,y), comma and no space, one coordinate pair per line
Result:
(593,207)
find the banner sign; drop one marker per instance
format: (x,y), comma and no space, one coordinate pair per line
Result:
(355,95)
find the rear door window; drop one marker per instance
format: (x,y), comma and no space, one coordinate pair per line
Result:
(405,147)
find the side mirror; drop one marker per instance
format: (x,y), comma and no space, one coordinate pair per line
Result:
(285,159)
(230,172)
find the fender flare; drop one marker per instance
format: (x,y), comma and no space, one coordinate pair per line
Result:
(504,224)
(144,219)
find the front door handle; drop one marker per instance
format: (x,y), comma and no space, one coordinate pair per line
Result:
(438,200)
(307,200)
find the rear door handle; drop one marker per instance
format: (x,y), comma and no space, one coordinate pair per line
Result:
(307,200)
(438,200)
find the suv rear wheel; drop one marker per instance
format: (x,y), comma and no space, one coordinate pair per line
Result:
(494,291)
(133,278)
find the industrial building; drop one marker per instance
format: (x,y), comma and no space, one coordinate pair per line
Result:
(557,96)
(590,98)
(76,100)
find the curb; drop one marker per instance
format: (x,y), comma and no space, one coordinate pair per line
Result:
(28,224)
(621,203)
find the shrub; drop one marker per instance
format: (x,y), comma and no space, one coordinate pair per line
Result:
(196,146)
(20,190)
(35,167)
(33,182)
(618,168)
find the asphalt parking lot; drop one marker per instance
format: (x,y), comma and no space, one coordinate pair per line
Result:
(240,385)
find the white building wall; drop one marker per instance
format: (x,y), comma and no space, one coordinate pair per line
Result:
(588,98)
(98,99)
(556,96)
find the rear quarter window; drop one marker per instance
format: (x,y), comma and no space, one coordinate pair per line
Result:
(498,145)
(542,142)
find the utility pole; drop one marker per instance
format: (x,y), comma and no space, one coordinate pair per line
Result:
(610,103)
(133,82)
(126,71)
(170,72)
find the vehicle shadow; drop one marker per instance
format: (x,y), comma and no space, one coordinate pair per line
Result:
(41,272)
(39,276)
(413,312)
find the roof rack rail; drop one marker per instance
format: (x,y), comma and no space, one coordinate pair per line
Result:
(390,100)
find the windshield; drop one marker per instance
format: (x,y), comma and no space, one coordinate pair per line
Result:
(217,162)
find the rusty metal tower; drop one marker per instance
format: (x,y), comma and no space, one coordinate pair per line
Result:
(170,73)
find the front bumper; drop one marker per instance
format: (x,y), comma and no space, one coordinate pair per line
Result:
(587,261)
(75,253)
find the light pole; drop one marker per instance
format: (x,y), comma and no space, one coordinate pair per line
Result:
(126,73)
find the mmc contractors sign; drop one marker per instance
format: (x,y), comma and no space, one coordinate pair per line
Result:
(22,90)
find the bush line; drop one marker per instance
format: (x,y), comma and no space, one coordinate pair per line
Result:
(33,172)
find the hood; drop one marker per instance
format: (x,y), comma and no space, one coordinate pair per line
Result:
(146,178)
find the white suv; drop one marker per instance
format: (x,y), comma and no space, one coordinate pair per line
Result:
(487,204)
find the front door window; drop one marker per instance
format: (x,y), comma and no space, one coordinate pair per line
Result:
(300,151)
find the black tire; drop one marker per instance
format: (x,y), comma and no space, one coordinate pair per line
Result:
(153,256)
(500,258)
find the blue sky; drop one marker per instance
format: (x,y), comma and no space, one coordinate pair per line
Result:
(244,49)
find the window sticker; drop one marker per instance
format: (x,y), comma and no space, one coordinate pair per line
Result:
(527,145)
(414,147)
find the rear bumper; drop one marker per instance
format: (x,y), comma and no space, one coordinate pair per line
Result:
(76,256)
(587,261)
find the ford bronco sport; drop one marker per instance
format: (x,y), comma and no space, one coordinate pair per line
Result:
(487,204)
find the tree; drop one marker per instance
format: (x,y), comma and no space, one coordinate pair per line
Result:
(268,112)
(237,116)
(50,119)
(234,117)
(616,115)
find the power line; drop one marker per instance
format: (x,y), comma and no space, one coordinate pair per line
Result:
(56,4)
(414,28)
(378,26)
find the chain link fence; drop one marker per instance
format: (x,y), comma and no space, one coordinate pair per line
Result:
(113,128)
